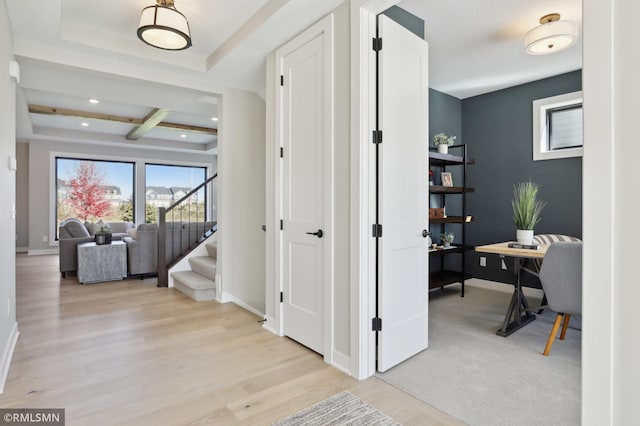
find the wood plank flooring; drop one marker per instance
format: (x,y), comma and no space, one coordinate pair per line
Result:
(130,353)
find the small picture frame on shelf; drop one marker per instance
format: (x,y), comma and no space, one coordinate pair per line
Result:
(447,180)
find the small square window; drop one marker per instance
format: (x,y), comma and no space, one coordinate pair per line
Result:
(557,127)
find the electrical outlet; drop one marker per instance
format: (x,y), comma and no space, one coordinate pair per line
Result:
(504,265)
(483,261)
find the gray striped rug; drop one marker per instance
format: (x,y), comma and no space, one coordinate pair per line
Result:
(340,409)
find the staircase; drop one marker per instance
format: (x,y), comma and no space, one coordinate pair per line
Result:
(199,283)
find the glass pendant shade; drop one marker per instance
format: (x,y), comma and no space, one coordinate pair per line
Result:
(165,28)
(551,37)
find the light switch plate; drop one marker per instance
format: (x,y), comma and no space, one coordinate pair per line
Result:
(14,71)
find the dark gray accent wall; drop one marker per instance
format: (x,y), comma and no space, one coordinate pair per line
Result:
(445,115)
(406,19)
(498,130)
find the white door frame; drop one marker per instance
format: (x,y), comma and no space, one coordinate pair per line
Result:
(599,64)
(363,123)
(323,27)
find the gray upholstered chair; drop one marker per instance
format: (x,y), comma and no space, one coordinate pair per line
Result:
(561,279)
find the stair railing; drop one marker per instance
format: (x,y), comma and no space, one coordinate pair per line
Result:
(183,226)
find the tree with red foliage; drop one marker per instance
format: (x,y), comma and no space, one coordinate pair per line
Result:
(87,192)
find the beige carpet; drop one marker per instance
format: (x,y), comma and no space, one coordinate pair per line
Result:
(341,409)
(484,379)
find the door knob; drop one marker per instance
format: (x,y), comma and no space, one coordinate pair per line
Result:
(425,233)
(318,233)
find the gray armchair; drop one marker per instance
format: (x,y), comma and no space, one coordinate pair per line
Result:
(142,250)
(561,279)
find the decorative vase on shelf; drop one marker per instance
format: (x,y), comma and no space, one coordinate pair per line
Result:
(443,148)
(446,243)
(524,236)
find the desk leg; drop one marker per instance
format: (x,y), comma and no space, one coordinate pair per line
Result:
(517,314)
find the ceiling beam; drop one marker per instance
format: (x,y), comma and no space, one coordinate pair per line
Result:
(41,109)
(245,30)
(149,122)
(188,128)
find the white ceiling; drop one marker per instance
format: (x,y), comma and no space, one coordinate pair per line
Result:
(73,50)
(477,46)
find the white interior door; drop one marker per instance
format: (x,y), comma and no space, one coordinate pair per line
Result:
(403,257)
(303,135)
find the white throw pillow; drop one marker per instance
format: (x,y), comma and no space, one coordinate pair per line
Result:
(133,233)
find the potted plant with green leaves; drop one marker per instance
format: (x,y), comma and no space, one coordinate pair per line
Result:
(443,142)
(447,238)
(103,235)
(526,210)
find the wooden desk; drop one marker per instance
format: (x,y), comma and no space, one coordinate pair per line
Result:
(518,314)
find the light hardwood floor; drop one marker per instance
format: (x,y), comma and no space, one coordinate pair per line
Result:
(130,353)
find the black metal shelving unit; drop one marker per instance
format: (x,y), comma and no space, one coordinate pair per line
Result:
(443,276)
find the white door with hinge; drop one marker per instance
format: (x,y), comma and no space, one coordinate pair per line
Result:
(403,165)
(304,140)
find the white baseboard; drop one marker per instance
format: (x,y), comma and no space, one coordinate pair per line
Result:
(243,305)
(341,362)
(8,355)
(22,249)
(42,252)
(270,325)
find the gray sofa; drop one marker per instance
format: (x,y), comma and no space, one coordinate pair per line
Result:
(72,232)
(142,245)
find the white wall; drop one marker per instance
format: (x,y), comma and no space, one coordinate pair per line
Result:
(241,148)
(22,197)
(341,332)
(610,348)
(42,172)
(8,324)
(271,157)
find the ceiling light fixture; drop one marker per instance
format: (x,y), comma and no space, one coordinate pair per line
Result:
(84,124)
(214,118)
(183,136)
(94,101)
(552,35)
(162,26)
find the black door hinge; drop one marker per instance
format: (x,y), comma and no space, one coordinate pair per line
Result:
(281,152)
(281,224)
(282,80)
(377,136)
(376,324)
(281,297)
(377,44)
(376,230)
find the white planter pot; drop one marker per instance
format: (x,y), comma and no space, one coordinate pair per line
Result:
(443,148)
(524,236)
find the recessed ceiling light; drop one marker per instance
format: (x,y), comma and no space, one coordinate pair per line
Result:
(183,136)
(94,101)
(84,124)
(214,118)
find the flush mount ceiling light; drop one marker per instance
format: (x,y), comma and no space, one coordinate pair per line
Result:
(552,35)
(162,26)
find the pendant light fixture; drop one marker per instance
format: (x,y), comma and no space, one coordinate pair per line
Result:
(162,26)
(552,35)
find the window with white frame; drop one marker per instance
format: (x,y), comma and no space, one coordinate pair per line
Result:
(557,127)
